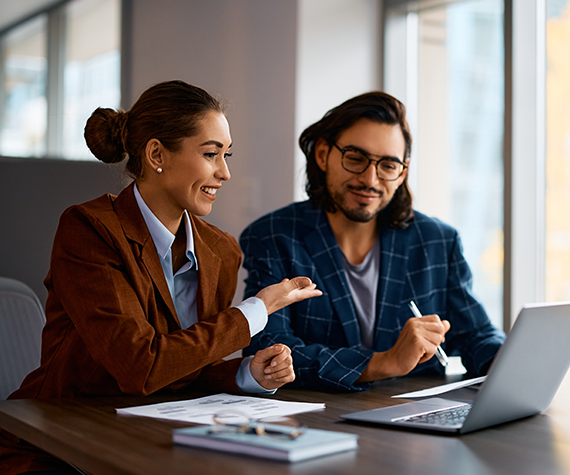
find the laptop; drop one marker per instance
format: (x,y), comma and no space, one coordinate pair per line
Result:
(522,380)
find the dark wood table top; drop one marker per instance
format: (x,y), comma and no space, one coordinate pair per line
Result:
(90,434)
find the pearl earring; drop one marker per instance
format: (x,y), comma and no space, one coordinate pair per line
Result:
(159,170)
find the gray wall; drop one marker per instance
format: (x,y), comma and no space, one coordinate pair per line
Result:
(241,50)
(33,194)
(245,52)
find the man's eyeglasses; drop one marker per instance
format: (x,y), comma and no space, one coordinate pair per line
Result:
(387,168)
(235,422)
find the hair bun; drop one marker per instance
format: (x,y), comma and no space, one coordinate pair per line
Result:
(105,134)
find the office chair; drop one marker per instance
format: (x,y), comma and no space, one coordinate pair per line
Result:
(21,322)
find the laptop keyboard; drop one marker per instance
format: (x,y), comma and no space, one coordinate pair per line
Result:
(453,417)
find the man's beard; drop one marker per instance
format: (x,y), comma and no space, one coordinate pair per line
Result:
(360,214)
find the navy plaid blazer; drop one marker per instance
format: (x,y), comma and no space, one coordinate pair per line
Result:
(423,262)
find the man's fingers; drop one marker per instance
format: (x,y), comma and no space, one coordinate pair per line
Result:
(431,323)
(426,357)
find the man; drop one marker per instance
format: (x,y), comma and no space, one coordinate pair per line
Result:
(360,241)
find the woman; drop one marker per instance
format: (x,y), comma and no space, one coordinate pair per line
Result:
(139,287)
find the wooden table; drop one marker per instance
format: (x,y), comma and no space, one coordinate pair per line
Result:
(88,433)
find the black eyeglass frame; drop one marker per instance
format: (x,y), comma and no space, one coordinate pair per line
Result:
(370,160)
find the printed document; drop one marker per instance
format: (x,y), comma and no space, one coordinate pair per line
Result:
(202,410)
(441,389)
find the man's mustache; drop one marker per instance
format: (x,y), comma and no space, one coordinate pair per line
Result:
(365,189)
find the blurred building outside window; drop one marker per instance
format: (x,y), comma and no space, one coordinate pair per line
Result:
(39,119)
(456,104)
(557,266)
(23,74)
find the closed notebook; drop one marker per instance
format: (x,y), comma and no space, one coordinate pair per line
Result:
(313,443)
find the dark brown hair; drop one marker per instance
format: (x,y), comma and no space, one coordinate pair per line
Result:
(168,111)
(376,106)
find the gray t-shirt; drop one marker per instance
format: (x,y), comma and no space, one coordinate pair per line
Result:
(363,283)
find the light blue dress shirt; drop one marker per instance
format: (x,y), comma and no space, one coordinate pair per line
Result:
(183,287)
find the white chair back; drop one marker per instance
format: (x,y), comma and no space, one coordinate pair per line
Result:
(22,319)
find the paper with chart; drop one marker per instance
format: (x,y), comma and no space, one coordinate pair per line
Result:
(202,410)
(441,389)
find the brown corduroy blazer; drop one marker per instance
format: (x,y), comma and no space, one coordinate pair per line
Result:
(111,325)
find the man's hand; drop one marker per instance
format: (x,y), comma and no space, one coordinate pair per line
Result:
(273,366)
(416,344)
(285,293)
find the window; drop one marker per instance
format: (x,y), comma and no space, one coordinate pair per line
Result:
(454,91)
(557,267)
(23,74)
(57,68)
(419,58)
(92,68)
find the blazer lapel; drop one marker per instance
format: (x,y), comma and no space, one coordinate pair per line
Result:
(136,230)
(391,282)
(209,265)
(325,253)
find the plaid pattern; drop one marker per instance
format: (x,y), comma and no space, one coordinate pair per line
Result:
(423,262)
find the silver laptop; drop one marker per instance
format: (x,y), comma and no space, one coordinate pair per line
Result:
(521,382)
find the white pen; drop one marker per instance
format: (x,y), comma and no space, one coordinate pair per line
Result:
(441,356)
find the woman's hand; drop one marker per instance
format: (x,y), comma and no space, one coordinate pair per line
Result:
(285,293)
(273,366)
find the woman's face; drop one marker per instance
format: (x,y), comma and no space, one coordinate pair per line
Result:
(192,175)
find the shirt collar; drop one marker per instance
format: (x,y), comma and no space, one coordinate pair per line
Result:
(161,236)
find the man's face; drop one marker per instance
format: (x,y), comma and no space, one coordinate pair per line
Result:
(360,197)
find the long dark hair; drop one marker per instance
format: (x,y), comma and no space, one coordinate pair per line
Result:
(168,111)
(379,107)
